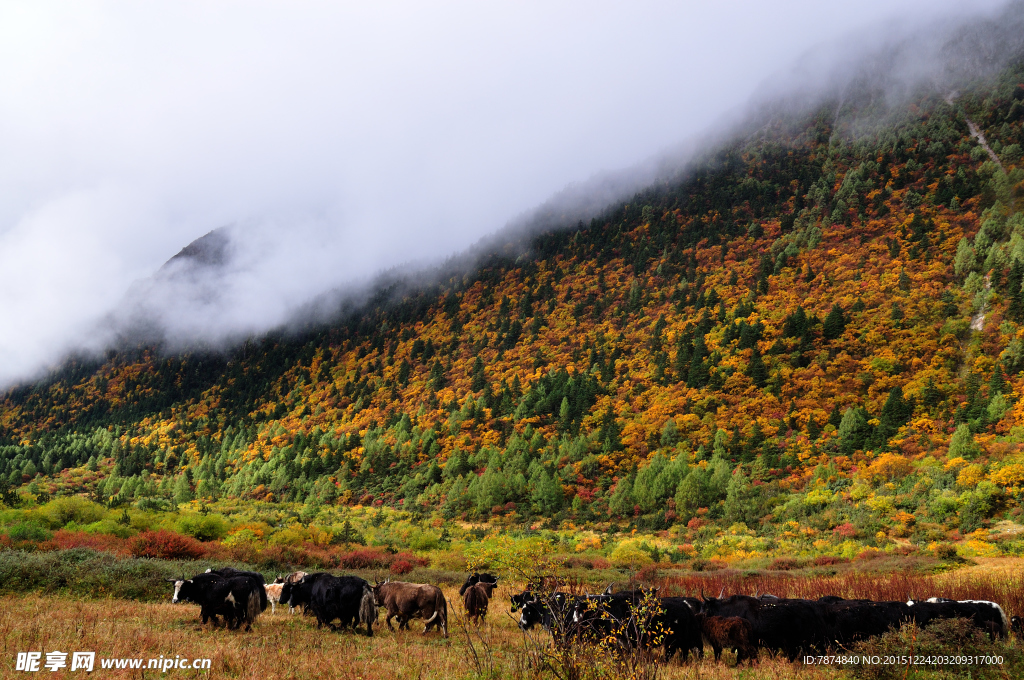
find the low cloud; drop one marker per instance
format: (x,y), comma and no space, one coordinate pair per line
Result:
(326,144)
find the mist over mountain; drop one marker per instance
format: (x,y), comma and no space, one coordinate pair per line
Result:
(331,160)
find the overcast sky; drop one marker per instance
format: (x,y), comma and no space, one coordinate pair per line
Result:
(339,138)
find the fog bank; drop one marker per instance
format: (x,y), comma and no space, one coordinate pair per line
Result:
(326,144)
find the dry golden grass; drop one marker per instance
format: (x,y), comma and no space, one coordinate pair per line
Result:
(290,646)
(989,567)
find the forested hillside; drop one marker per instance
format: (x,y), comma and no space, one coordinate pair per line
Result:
(816,329)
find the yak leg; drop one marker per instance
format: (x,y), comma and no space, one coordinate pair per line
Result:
(718,652)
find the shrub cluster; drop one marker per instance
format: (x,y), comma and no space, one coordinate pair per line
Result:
(166,545)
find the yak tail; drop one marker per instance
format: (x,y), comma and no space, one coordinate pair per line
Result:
(368,610)
(253,609)
(441,607)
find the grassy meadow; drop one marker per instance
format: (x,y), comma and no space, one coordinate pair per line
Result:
(83,600)
(290,646)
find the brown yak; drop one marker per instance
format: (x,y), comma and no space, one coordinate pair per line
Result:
(476,598)
(406,601)
(730,632)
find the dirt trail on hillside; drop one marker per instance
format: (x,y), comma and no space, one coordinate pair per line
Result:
(977,133)
(980,136)
(978,320)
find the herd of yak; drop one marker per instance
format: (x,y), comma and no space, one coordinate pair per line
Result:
(743,623)
(634,618)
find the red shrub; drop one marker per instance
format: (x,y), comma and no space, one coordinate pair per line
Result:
(365,558)
(696,523)
(829,560)
(281,555)
(216,551)
(375,558)
(601,563)
(412,559)
(400,567)
(648,574)
(845,531)
(784,564)
(166,545)
(65,540)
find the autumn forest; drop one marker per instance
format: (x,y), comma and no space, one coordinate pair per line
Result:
(808,343)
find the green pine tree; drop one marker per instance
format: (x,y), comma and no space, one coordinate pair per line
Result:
(834,324)
(699,372)
(547,495)
(478,380)
(621,502)
(756,370)
(182,489)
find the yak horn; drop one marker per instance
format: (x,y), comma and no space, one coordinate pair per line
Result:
(721,593)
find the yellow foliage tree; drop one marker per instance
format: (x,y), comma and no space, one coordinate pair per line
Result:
(888,466)
(1009,475)
(970,476)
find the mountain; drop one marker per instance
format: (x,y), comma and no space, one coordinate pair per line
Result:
(210,250)
(821,321)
